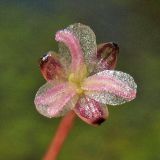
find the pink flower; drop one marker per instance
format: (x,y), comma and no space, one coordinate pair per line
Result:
(80,77)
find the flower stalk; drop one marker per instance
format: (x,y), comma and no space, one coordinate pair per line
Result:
(61,134)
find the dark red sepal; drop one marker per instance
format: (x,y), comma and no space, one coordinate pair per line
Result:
(107,55)
(50,67)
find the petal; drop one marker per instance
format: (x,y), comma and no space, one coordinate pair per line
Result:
(87,41)
(74,47)
(91,111)
(55,101)
(110,87)
(107,56)
(51,68)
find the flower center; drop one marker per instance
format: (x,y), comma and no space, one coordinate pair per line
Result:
(77,79)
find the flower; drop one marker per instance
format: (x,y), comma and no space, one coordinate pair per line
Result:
(81,77)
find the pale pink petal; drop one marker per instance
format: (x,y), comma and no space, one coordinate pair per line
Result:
(55,101)
(73,44)
(87,40)
(107,56)
(51,68)
(91,111)
(110,87)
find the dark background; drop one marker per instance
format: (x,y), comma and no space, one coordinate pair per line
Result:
(27,30)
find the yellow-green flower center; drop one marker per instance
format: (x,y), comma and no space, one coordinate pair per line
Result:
(77,79)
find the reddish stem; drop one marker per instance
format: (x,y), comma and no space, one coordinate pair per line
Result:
(60,136)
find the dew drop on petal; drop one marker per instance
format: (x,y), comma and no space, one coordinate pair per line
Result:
(107,98)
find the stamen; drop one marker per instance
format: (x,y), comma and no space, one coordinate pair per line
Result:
(79,91)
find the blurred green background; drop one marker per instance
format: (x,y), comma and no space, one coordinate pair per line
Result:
(27,30)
